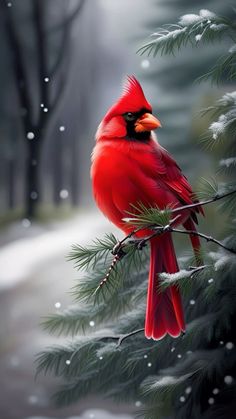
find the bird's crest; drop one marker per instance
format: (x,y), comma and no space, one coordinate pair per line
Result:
(131,100)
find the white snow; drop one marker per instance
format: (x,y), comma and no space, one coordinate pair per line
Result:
(145,63)
(217,27)
(228,99)
(189,19)
(20,258)
(217,128)
(198,37)
(228,379)
(90,414)
(232,49)
(228,162)
(207,14)
(192,19)
(169,380)
(30,135)
(169,278)
(64,194)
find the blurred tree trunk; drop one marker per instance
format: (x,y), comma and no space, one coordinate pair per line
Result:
(35,127)
(11,173)
(58,170)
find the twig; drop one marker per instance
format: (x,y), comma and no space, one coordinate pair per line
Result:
(121,338)
(118,249)
(203,236)
(200,204)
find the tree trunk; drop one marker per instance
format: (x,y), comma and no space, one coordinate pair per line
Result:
(32,193)
(57,173)
(11,181)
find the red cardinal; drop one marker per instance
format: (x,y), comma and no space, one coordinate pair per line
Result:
(129,167)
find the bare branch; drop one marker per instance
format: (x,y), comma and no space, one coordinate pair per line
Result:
(121,338)
(201,203)
(19,70)
(69,20)
(203,236)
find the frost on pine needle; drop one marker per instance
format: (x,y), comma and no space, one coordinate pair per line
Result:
(170,278)
(222,260)
(163,384)
(198,37)
(217,128)
(189,19)
(231,161)
(232,49)
(229,99)
(218,27)
(207,14)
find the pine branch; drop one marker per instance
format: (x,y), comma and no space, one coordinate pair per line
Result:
(191,29)
(121,338)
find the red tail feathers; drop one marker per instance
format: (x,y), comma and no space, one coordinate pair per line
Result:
(164,313)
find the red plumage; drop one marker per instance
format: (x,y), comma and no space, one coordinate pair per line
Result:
(129,167)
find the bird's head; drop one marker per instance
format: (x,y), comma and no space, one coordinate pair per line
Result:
(130,117)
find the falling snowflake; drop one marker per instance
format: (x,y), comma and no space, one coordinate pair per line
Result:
(149,364)
(45,109)
(32,399)
(145,64)
(62,128)
(188,390)
(46,79)
(192,302)
(64,194)
(215,391)
(228,379)
(33,195)
(30,135)
(211,400)
(229,345)
(26,223)
(68,362)
(92,323)
(182,399)
(58,304)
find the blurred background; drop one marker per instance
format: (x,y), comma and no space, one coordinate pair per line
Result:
(62,65)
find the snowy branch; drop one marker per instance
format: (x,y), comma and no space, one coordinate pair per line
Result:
(121,338)
(119,248)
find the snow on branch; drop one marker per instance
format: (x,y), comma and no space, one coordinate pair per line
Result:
(191,28)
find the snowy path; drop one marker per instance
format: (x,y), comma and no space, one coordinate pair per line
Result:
(22,257)
(34,275)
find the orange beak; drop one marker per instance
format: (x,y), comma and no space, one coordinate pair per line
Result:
(147,122)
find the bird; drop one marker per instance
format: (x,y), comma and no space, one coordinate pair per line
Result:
(129,167)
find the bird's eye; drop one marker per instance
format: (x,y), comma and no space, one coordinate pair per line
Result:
(129,116)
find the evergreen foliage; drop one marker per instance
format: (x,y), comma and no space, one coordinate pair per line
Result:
(189,377)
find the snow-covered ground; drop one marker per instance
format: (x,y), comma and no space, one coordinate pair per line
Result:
(90,414)
(21,257)
(34,277)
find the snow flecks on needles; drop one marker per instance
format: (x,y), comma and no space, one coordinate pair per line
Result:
(217,128)
(232,49)
(177,276)
(191,19)
(231,161)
